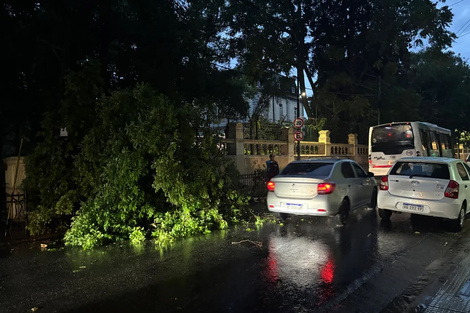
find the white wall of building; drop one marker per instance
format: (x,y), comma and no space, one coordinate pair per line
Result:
(282,109)
(279,109)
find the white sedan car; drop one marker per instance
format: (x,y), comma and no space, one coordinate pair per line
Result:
(432,186)
(321,187)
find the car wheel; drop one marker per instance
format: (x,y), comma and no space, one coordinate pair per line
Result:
(343,213)
(373,199)
(457,224)
(385,214)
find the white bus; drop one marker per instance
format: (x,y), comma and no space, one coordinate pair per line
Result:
(391,141)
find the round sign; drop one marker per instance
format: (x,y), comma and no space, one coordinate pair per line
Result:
(299,122)
(298,135)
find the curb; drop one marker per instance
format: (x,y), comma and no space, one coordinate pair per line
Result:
(8,242)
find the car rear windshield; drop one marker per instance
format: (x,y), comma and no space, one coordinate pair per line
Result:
(434,170)
(310,169)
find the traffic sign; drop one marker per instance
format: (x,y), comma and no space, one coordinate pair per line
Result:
(299,122)
(298,135)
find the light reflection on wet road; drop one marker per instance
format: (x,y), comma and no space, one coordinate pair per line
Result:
(306,265)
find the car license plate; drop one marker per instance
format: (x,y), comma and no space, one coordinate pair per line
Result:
(294,206)
(413,207)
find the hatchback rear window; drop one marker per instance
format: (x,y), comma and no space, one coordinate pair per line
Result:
(422,169)
(311,169)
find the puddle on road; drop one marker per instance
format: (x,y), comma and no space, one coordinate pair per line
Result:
(314,268)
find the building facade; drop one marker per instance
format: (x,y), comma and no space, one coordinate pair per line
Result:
(280,109)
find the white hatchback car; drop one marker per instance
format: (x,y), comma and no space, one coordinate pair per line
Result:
(432,186)
(321,187)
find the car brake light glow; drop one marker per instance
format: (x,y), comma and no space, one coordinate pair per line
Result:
(384,183)
(325,188)
(271,185)
(452,190)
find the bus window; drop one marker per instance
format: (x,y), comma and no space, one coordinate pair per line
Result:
(424,142)
(446,146)
(392,139)
(434,146)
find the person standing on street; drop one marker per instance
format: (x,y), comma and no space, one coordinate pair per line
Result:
(272,168)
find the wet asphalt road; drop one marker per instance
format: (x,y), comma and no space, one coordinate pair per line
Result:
(305,265)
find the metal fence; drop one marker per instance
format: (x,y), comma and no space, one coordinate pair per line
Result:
(252,184)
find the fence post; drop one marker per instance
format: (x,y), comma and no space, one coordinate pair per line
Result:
(324,137)
(240,149)
(352,141)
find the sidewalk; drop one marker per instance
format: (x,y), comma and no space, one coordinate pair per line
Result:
(454,295)
(17,234)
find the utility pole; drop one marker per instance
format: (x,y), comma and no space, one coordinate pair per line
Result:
(299,123)
(298,114)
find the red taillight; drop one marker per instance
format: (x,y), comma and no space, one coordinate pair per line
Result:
(271,185)
(384,183)
(325,188)
(452,190)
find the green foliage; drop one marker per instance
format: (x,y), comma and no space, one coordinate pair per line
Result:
(39,220)
(137,236)
(312,128)
(134,162)
(261,128)
(462,137)
(52,180)
(147,166)
(443,82)
(47,182)
(85,233)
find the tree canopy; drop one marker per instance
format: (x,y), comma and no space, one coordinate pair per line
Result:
(355,55)
(171,45)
